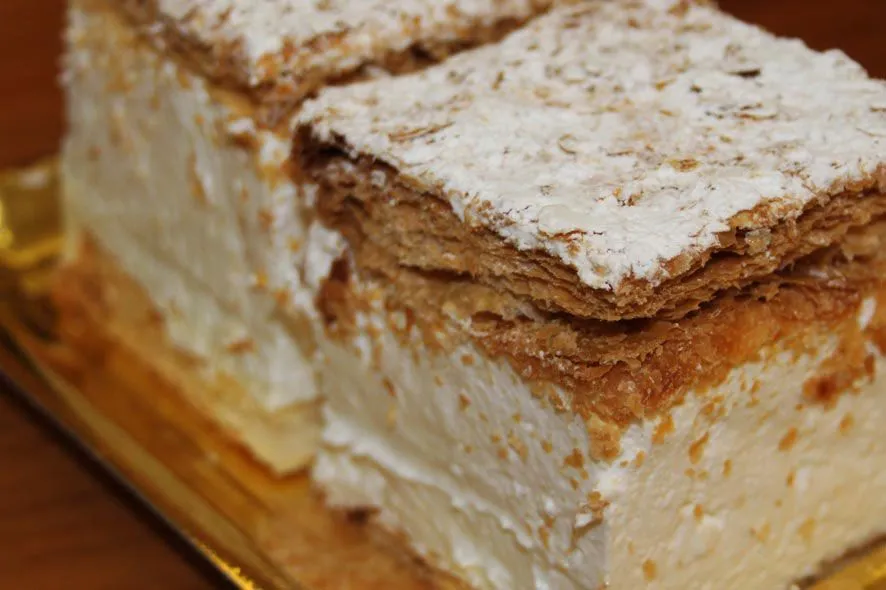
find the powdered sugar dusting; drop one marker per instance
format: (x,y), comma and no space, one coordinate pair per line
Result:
(282,39)
(619,134)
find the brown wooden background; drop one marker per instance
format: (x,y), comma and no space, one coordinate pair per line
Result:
(63,525)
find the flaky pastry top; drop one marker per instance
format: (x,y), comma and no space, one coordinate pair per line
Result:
(622,135)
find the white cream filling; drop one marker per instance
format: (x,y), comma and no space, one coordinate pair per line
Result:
(759,509)
(153,169)
(775,491)
(423,437)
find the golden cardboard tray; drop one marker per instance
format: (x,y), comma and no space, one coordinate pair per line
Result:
(259,530)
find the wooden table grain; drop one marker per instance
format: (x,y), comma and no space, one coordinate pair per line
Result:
(63,524)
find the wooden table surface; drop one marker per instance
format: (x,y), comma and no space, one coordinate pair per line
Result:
(63,525)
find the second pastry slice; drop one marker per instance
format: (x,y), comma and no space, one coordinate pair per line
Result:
(611,310)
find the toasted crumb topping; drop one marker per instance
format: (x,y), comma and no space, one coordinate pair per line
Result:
(518,446)
(650,570)
(575,459)
(807,529)
(696,449)
(847,368)
(788,440)
(698,512)
(242,346)
(762,532)
(847,423)
(664,428)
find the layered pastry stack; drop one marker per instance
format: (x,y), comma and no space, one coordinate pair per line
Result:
(598,304)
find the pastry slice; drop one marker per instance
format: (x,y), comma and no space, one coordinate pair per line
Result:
(189,233)
(611,309)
